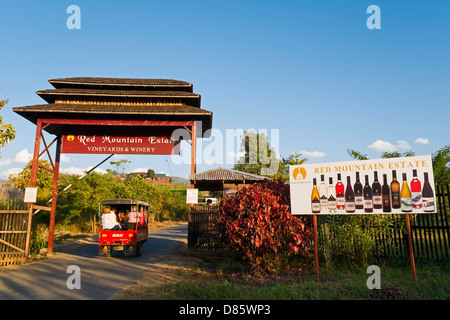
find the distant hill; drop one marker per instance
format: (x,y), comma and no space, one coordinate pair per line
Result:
(179,180)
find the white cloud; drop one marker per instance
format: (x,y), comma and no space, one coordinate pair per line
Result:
(23,156)
(313,154)
(382,146)
(80,171)
(7,172)
(6,162)
(143,169)
(422,140)
(64,158)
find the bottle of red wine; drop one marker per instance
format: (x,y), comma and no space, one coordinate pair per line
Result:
(427,195)
(368,200)
(376,191)
(416,191)
(358,189)
(386,195)
(395,191)
(340,197)
(349,197)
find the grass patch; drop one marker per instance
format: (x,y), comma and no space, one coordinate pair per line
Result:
(348,283)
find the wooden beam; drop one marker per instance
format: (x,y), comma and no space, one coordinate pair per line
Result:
(11,245)
(118,122)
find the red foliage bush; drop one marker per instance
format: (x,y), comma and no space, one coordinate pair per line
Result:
(256,222)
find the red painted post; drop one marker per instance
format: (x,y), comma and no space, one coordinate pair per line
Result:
(411,250)
(316,247)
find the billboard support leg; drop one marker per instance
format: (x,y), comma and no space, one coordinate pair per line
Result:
(316,247)
(411,251)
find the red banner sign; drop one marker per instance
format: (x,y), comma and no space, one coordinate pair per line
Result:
(119,145)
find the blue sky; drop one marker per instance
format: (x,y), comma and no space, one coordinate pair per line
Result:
(310,69)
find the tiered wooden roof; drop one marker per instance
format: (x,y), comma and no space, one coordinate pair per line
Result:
(117,99)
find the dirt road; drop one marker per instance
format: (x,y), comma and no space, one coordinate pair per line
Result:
(100,277)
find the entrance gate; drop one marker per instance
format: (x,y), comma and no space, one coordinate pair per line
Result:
(94,110)
(14,223)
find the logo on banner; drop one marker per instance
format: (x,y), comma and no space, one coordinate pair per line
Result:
(299,174)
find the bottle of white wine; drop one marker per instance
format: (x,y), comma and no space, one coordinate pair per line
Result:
(331,197)
(323,194)
(405,196)
(315,198)
(395,191)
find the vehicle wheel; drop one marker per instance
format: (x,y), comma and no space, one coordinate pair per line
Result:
(139,249)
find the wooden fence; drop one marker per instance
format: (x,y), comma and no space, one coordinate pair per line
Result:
(430,232)
(202,236)
(13,233)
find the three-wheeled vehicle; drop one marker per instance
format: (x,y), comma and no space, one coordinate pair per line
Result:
(131,236)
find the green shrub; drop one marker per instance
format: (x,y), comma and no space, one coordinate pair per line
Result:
(256,222)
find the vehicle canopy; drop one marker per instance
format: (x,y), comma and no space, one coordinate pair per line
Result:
(123,205)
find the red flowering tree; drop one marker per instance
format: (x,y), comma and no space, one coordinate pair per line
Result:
(256,222)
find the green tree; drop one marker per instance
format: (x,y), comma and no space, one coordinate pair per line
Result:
(44,180)
(150,173)
(293,159)
(258,157)
(441,165)
(120,165)
(7,132)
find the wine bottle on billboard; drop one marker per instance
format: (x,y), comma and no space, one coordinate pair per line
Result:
(427,195)
(349,197)
(331,197)
(340,197)
(368,200)
(416,191)
(405,196)
(386,195)
(376,191)
(323,194)
(315,198)
(395,191)
(358,189)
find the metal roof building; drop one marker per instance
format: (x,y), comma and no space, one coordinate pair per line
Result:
(223,179)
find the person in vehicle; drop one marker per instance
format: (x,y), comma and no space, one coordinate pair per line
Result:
(142,217)
(109,220)
(132,218)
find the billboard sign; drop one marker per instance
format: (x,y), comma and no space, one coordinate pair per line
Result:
(379,186)
(119,145)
